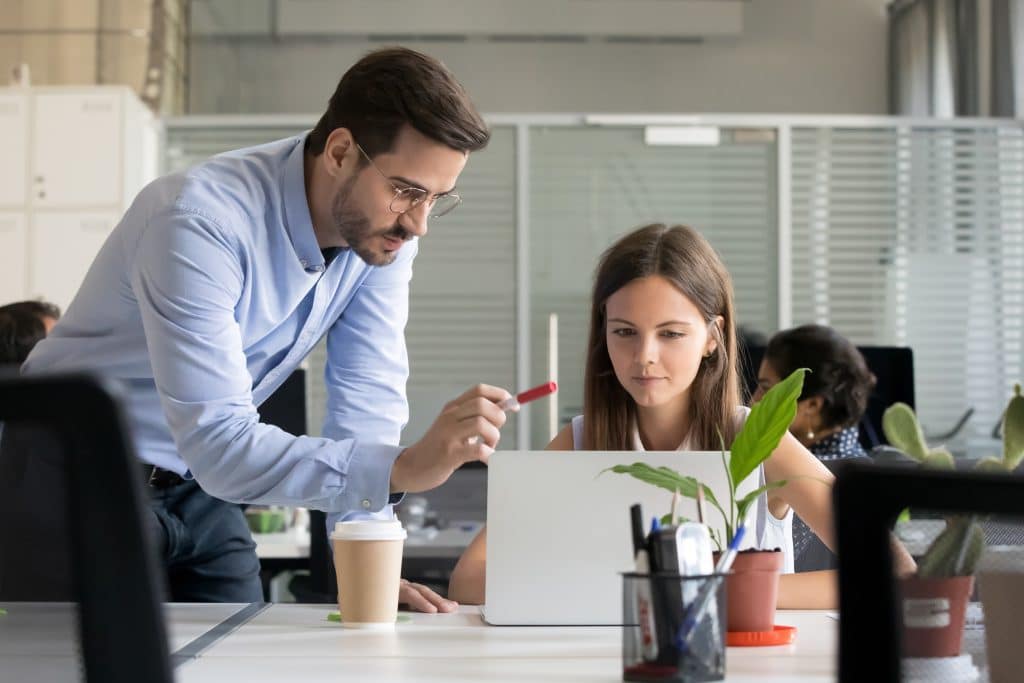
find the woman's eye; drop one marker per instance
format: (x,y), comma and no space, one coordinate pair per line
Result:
(673,335)
(623,332)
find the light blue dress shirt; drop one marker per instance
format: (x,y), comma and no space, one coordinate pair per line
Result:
(202,301)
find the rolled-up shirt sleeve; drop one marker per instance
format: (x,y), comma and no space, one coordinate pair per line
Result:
(187,277)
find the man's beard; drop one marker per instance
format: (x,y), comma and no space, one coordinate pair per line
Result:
(354,227)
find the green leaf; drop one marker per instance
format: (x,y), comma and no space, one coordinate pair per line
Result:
(666,478)
(904,516)
(768,421)
(744,503)
(1013,431)
(990,464)
(666,520)
(904,431)
(940,459)
(955,551)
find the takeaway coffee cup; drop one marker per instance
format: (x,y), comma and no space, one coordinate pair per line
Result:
(368,564)
(1001,585)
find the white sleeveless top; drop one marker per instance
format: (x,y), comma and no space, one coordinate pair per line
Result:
(769,530)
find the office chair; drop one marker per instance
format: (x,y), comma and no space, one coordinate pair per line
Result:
(66,435)
(869,618)
(893,367)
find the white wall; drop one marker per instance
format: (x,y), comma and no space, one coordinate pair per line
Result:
(806,56)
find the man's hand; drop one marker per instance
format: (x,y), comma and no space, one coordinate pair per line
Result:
(421,599)
(450,442)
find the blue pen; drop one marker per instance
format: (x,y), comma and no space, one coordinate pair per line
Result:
(708,590)
(654,524)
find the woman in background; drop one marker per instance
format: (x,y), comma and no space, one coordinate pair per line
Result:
(834,398)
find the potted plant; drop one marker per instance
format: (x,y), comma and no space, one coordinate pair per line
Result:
(935,597)
(753,584)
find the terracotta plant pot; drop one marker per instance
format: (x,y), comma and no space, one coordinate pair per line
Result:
(752,590)
(933,615)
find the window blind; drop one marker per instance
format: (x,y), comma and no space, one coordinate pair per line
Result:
(915,236)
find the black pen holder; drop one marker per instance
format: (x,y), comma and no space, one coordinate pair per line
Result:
(673,627)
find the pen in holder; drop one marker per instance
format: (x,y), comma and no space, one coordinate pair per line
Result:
(700,655)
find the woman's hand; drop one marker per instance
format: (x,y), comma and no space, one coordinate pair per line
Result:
(421,599)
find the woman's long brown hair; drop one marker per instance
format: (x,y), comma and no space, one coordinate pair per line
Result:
(683,257)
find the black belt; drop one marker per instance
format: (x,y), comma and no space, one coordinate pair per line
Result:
(159,478)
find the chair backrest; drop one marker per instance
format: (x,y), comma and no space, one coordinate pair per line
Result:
(893,367)
(73,426)
(869,617)
(286,407)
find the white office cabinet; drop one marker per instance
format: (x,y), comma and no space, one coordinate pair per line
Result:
(13,247)
(13,149)
(71,161)
(76,153)
(62,245)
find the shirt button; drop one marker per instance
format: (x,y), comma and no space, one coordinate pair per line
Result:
(366,503)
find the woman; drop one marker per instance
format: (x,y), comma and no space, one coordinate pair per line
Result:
(834,398)
(661,374)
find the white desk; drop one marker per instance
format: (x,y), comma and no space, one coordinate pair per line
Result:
(296,642)
(290,544)
(39,641)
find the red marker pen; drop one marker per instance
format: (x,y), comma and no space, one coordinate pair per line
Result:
(515,402)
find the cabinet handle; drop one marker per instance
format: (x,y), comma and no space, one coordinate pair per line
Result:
(39,179)
(42,195)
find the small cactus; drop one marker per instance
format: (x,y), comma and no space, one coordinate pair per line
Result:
(904,431)
(956,551)
(1013,431)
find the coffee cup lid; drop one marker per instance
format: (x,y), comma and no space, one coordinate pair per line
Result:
(369,530)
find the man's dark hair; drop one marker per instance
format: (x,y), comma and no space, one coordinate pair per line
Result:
(20,330)
(40,309)
(389,88)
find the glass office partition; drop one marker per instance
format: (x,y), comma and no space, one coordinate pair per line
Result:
(914,236)
(590,185)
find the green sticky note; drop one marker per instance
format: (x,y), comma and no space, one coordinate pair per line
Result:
(402,618)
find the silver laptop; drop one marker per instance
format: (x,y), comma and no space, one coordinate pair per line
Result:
(558,535)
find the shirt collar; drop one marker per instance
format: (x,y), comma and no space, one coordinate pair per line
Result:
(844,444)
(297,220)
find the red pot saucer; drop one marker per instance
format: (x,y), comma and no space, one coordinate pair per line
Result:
(780,635)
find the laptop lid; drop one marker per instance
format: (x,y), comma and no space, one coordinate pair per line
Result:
(558,535)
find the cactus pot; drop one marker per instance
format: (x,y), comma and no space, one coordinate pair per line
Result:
(752,589)
(933,615)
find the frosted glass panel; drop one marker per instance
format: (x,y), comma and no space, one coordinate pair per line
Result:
(915,237)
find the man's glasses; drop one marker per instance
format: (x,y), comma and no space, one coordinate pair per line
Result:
(406,198)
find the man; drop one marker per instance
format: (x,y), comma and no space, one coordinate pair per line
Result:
(22,325)
(218,281)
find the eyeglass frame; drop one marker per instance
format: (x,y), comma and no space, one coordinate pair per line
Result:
(423,194)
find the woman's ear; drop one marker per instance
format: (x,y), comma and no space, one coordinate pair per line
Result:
(713,337)
(811,408)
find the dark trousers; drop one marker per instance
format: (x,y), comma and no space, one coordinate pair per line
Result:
(206,546)
(204,543)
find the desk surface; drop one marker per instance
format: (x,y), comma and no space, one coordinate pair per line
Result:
(296,642)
